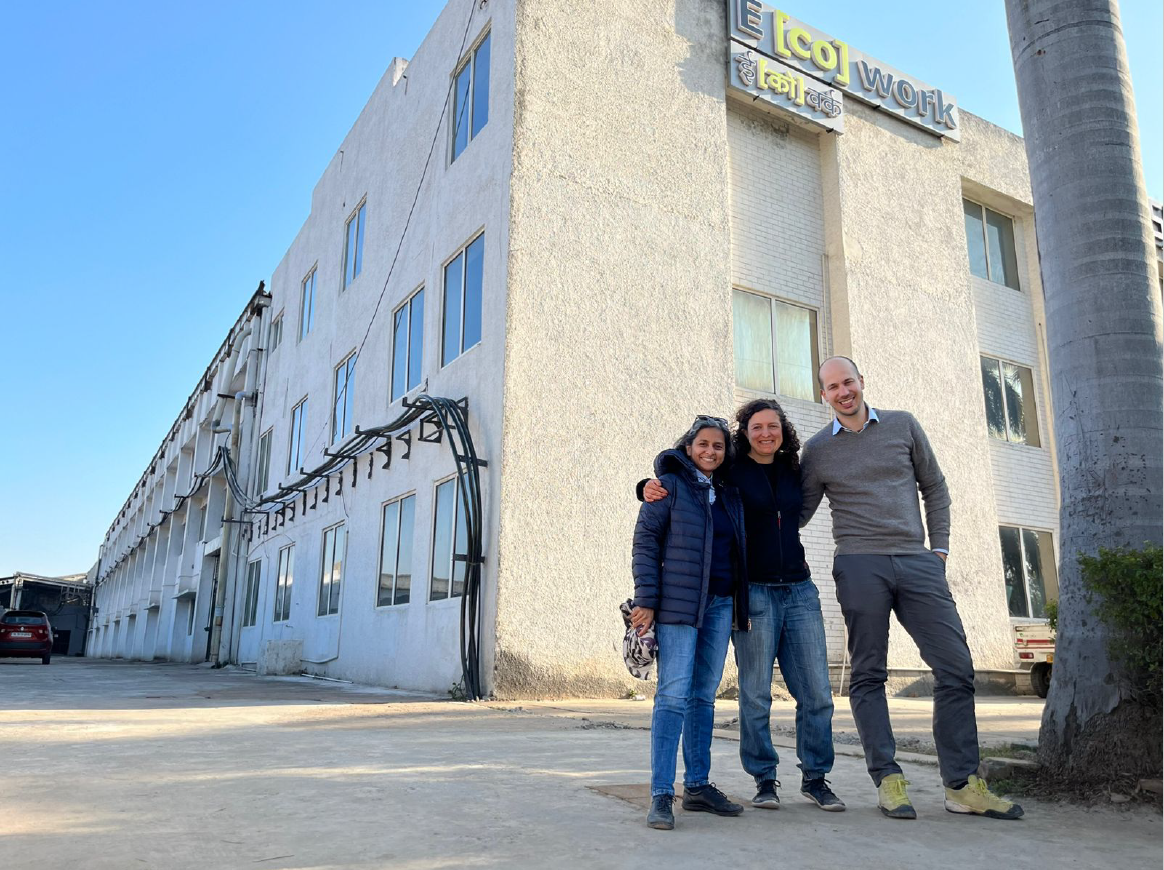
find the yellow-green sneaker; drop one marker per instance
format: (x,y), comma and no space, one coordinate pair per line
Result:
(975,797)
(892,799)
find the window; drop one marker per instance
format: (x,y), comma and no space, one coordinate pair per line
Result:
(202,522)
(307,306)
(283,583)
(775,346)
(448,571)
(990,245)
(1028,567)
(354,245)
(462,326)
(471,98)
(295,450)
(331,570)
(345,390)
(190,616)
(263,471)
(396,552)
(276,333)
(407,345)
(251,601)
(1010,402)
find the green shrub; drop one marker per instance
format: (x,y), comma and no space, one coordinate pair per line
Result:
(1125,586)
(1052,611)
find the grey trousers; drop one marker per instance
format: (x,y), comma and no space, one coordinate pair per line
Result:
(915,589)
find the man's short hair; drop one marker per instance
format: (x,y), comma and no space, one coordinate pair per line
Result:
(856,370)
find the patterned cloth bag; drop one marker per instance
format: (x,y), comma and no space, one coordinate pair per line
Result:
(638,651)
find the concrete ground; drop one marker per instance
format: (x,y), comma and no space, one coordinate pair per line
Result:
(121,765)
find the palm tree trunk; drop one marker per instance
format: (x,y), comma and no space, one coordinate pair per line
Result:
(1098,264)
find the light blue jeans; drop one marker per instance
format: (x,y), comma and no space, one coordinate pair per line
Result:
(690,662)
(787,626)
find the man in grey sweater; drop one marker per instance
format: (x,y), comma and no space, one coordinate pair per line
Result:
(871,464)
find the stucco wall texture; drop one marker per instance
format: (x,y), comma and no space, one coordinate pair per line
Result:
(619,315)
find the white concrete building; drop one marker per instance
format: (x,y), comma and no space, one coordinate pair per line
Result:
(607,238)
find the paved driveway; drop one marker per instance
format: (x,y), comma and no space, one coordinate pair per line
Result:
(123,765)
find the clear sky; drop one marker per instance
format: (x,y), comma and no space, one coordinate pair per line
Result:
(158,159)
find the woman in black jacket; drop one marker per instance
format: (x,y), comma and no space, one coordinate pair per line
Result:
(688,564)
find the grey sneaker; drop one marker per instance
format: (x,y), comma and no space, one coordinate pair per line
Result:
(660,817)
(709,799)
(766,795)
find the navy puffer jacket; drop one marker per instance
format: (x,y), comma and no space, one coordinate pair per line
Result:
(671,556)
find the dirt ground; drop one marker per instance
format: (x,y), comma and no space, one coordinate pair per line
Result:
(169,766)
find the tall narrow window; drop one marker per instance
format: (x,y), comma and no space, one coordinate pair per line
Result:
(462,303)
(990,244)
(775,346)
(263,469)
(449,541)
(331,570)
(275,335)
(283,582)
(1028,564)
(295,448)
(345,390)
(471,98)
(396,552)
(407,345)
(1009,390)
(354,245)
(307,305)
(251,600)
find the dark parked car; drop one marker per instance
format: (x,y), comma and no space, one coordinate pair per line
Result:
(26,634)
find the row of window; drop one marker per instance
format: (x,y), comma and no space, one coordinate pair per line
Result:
(447,566)
(470,114)
(463,278)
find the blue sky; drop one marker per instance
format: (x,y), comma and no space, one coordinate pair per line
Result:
(159,159)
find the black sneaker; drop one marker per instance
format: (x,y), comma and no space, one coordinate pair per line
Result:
(660,816)
(818,791)
(709,799)
(766,795)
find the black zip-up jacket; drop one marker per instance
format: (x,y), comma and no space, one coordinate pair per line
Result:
(771,520)
(671,556)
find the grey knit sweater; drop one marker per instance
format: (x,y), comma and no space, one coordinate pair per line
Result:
(872,480)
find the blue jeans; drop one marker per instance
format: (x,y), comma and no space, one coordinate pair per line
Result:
(787,626)
(690,664)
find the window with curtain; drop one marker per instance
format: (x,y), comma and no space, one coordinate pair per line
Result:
(775,346)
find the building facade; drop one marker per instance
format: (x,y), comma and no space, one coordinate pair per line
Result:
(588,242)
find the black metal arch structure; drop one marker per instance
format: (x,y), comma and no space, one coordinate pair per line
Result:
(434,419)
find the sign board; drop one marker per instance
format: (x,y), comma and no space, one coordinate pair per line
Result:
(784,87)
(778,36)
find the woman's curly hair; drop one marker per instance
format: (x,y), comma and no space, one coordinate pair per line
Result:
(789,450)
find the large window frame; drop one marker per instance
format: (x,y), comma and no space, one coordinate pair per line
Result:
(470,103)
(774,367)
(1030,574)
(1008,390)
(463,280)
(990,244)
(397,527)
(343,398)
(295,441)
(251,598)
(407,345)
(284,582)
(307,303)
(353,259)
(331,569)
(275,333)
(447,566)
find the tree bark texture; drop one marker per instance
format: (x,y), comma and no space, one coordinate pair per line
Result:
(1098,264)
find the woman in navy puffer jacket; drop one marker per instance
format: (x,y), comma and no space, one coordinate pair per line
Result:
(690,582)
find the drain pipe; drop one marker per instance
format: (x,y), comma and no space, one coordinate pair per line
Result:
(225,563)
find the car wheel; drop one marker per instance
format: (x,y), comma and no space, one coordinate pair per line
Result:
(44,660)
(1041,679)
